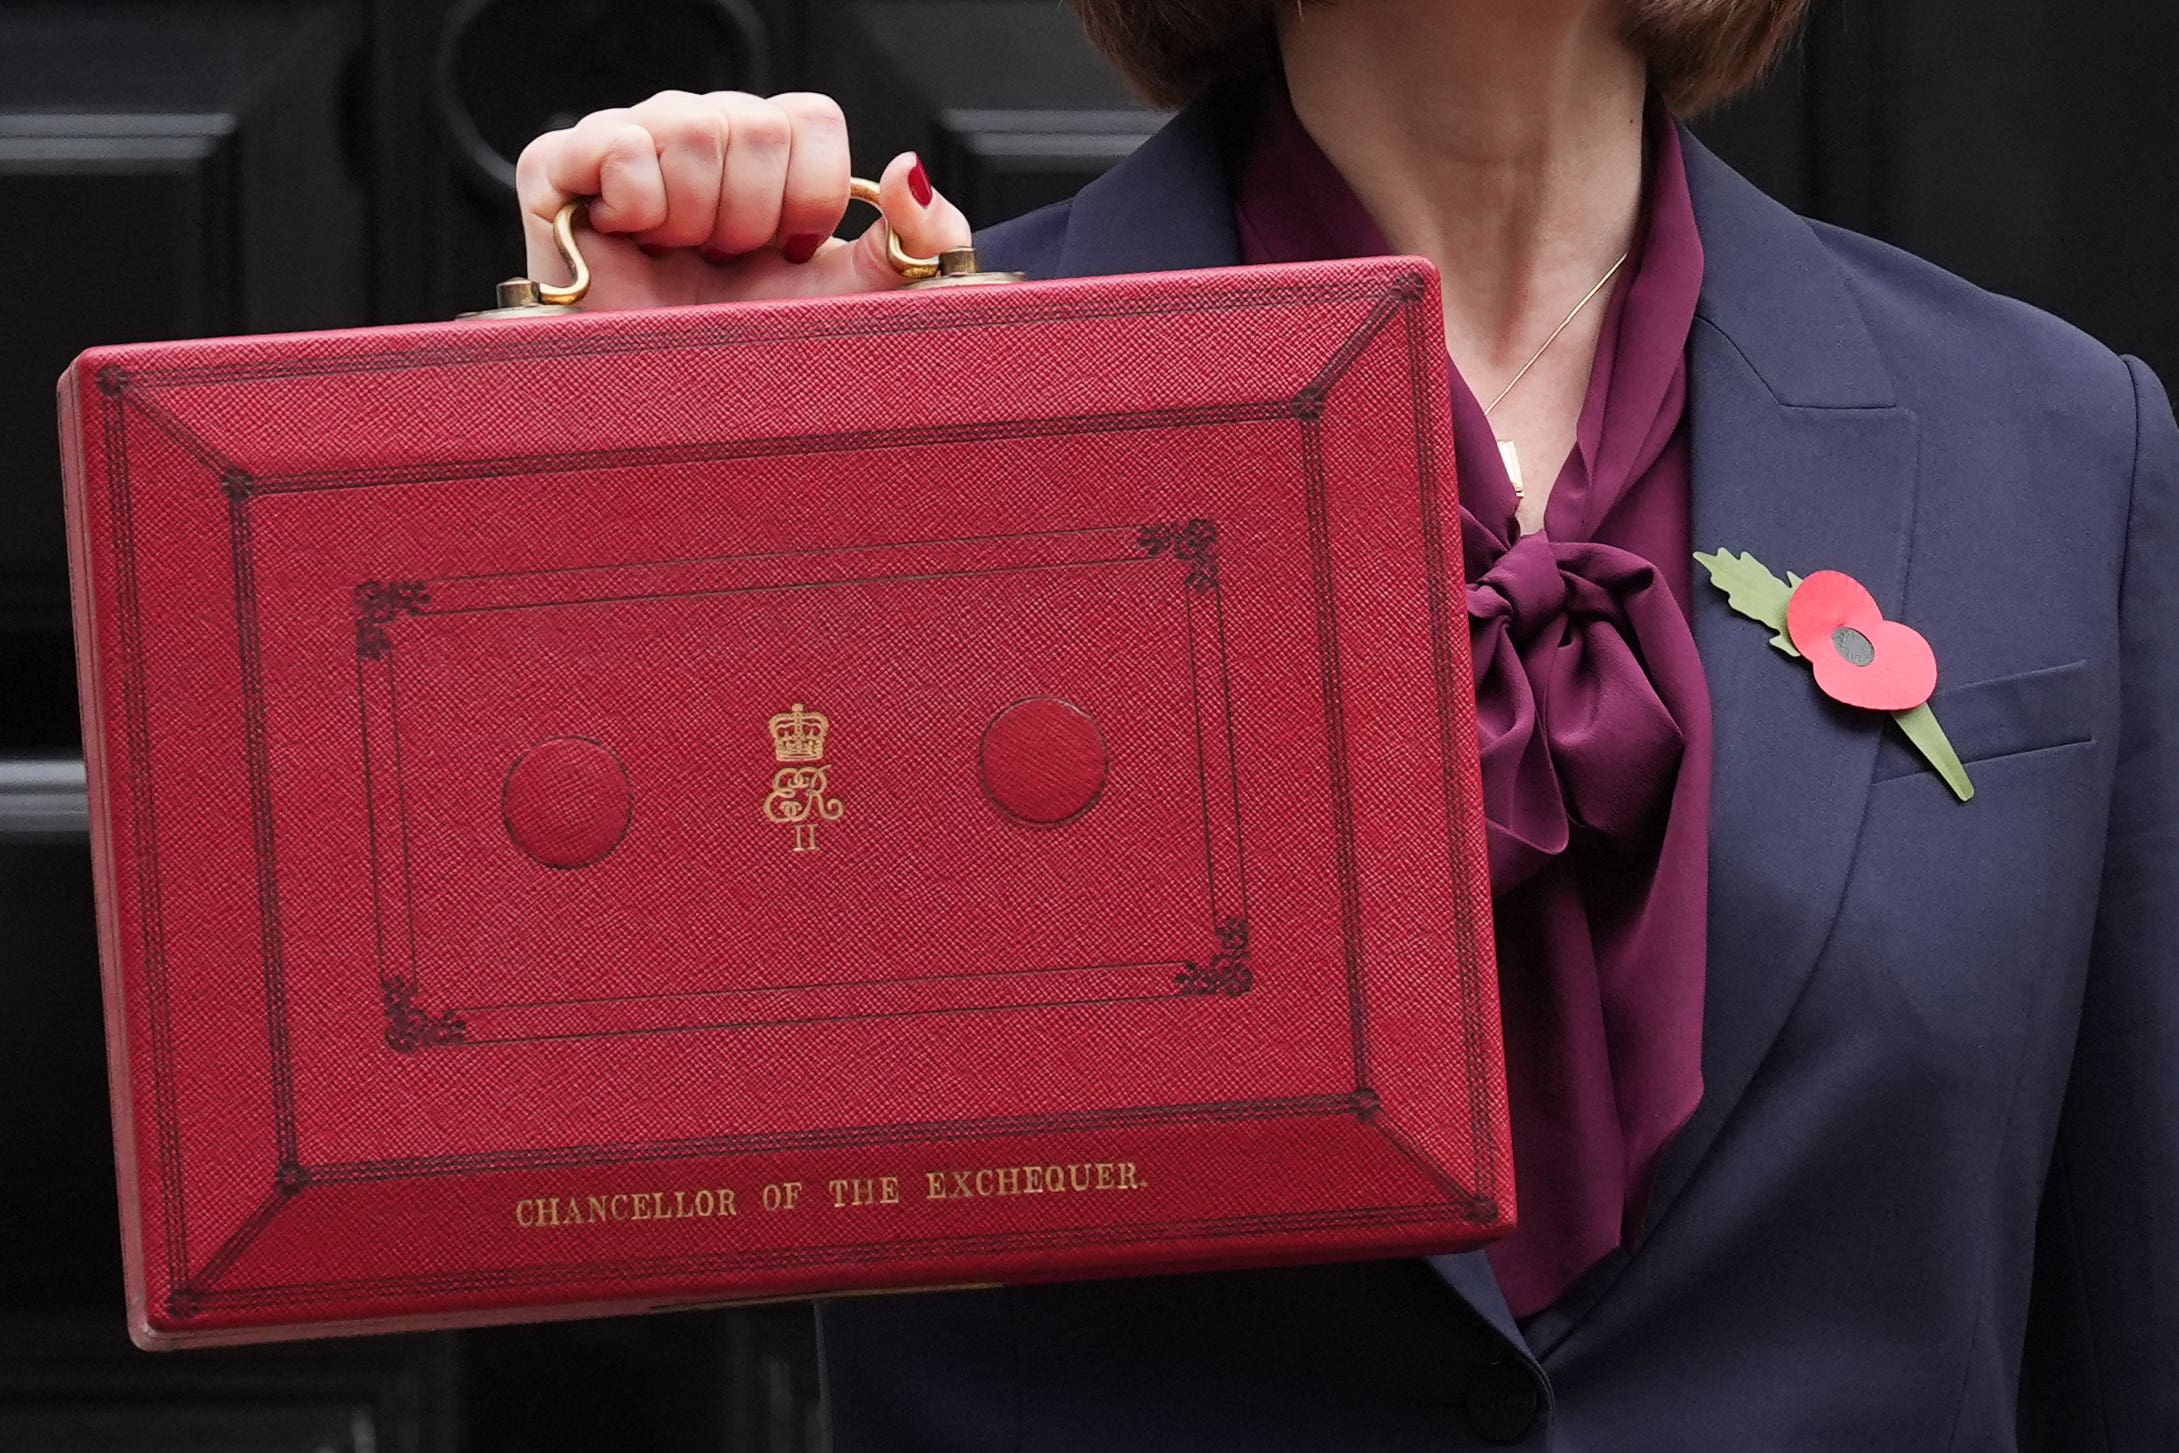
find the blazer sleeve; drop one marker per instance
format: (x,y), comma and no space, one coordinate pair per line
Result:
(2102,1363)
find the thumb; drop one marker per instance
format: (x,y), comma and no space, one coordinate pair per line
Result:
(925,222)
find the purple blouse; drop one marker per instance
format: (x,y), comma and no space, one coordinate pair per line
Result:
(1595,724)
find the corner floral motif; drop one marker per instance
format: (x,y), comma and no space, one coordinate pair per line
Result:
(377,603)
(410,1027)
(1194,544)
(1227,973)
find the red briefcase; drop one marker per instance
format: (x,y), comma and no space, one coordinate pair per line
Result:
(605,813)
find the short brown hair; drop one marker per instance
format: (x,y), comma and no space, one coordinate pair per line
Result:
(1701,52)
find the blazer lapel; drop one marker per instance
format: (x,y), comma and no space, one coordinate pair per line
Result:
(1166,208)
(1803,456)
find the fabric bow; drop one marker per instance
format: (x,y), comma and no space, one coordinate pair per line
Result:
(1589,699)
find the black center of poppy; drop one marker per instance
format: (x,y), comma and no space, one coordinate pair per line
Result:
(1853,647)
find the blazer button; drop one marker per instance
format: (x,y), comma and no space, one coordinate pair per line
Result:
(1503,1401)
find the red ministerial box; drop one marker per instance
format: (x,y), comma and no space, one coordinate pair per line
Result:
(614,812)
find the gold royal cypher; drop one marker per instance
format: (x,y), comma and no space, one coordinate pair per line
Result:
(801,795)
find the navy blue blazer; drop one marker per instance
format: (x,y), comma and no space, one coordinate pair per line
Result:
(1931,1198)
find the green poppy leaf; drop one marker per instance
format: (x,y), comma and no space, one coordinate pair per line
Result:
(1751,589)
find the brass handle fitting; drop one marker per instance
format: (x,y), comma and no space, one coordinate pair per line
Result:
(521,297)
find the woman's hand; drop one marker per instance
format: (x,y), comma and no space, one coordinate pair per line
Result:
(719,198)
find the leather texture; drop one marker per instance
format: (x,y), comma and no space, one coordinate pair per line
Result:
(644,810)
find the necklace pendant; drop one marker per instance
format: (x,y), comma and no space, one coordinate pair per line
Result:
(1512,457)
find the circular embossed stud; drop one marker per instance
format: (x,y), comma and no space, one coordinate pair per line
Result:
(1043,760)
(566,802)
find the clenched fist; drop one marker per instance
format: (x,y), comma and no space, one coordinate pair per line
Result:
(721,197)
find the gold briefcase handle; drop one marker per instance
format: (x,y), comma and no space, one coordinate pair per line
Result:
(521,297)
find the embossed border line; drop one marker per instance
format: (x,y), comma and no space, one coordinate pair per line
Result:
(126,392)
(389,612)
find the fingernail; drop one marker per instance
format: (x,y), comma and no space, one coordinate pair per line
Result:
(716,255)
(919,183)
(802,246)
(652,249)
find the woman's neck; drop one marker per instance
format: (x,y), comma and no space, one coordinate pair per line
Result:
(1502,139)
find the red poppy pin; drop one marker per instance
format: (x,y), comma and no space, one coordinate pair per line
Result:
(1861,659)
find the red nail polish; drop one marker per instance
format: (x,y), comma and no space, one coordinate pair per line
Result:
(652,249)
(919,183)
(715,256)
(802,246)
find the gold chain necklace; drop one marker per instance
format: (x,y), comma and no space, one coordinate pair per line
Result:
(1506,449)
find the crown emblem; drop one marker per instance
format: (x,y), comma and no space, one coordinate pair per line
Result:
(798,735)
(801,797)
